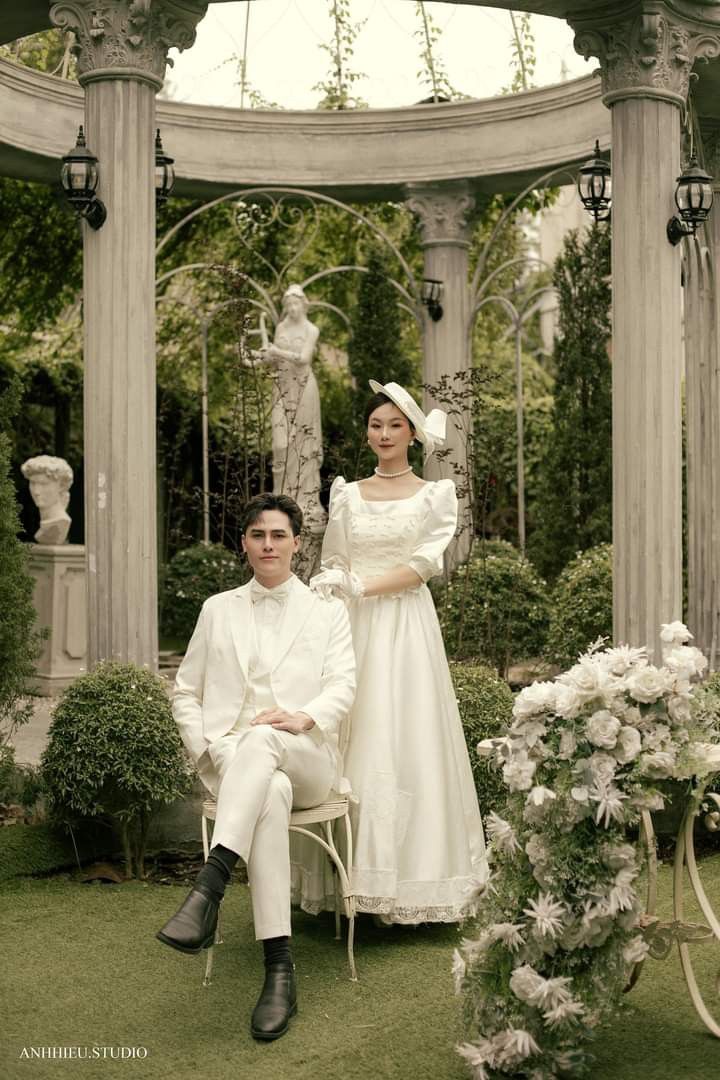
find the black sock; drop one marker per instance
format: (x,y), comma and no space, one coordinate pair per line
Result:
(276,950)
(216,872)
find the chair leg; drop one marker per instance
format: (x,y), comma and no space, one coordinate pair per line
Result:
(207,979)
(336,883)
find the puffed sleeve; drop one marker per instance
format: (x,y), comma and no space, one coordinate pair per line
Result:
(439,529)
(335,549)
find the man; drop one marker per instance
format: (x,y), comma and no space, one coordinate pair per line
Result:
(268,677)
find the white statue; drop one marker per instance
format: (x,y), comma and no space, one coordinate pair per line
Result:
(50,479)
(296,424)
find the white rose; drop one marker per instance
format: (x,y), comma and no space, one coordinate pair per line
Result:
(628,745)
(658,765)
(647,684)
(567,702)
(519,771)
(674,633)
(602,729)
(685,661)
(534,699)
(524,983)
(602,767)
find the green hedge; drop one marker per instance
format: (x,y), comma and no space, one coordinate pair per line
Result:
(485,703)
(494,607)
(581,606)
(191,576)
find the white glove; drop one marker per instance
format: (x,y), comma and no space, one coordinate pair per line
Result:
(344,583)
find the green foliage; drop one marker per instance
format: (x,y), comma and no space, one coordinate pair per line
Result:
(523,52)
(114,752)
(40,267)
(193,575)
(432,73)
(19,640)
(485,703)
(375,351)
(495,606)
(576,484)
(337,87)
(581,606)
(48,51)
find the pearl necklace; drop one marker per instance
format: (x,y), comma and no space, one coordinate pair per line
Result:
(392,475)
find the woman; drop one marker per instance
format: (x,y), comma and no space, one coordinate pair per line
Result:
(418,835)
(296,423)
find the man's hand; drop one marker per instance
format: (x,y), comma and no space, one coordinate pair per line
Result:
(298,723)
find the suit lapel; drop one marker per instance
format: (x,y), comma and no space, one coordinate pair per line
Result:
(301,602)
(239,613)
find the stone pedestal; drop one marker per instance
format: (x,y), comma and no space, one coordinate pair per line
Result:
(442,211)
(60,600)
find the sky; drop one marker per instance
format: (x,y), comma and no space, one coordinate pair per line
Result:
(285,61)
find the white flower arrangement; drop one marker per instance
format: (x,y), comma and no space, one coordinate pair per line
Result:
(559,925)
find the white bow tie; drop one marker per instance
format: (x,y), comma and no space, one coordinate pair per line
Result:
(277,596)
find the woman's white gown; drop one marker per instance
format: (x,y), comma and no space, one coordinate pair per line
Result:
(418,834)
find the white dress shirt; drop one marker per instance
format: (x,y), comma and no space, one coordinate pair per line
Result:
(268,612)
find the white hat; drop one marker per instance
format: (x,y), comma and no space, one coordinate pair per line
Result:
(430,429)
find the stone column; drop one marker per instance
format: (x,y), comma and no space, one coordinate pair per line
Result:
(646,62)
(121,48)
(702,396)
(443,211)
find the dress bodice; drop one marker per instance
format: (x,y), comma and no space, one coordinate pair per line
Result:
(372,537)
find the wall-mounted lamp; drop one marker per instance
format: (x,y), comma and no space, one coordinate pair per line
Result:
(694,199)
(595,186)
(164,173)
(79,178)
(431,293)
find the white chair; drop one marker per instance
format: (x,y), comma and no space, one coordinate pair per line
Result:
(335,808)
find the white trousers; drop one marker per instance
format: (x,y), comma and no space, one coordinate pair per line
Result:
(264,774)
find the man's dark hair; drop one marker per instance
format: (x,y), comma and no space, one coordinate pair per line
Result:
(267,501)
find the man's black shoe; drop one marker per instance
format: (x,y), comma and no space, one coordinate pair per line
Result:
(192,927)
(276,1004)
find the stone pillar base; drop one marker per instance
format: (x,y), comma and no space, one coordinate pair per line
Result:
(60,599)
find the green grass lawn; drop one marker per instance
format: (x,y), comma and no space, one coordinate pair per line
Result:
(80,966)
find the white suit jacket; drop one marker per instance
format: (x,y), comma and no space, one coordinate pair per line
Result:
(312,670)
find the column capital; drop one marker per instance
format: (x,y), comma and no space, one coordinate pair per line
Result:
(651,51)
(443,210)
(127,39)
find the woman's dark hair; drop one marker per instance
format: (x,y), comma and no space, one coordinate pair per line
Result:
(267,501)
(382,399)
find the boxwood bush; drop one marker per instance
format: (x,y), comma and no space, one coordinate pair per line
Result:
(114,754)
(485,702)
(494,608)
(581,605)
(190,577)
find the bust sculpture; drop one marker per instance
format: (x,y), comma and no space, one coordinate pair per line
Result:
(50,479)
(297,452)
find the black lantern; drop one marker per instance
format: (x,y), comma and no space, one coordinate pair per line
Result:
(79,178)
(431,292)
(164,172)
(694,199)
(595,186)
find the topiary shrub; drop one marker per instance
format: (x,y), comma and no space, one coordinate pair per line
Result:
(485,703)
(495,607)
(114,753)
(581,609)
(190,577)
